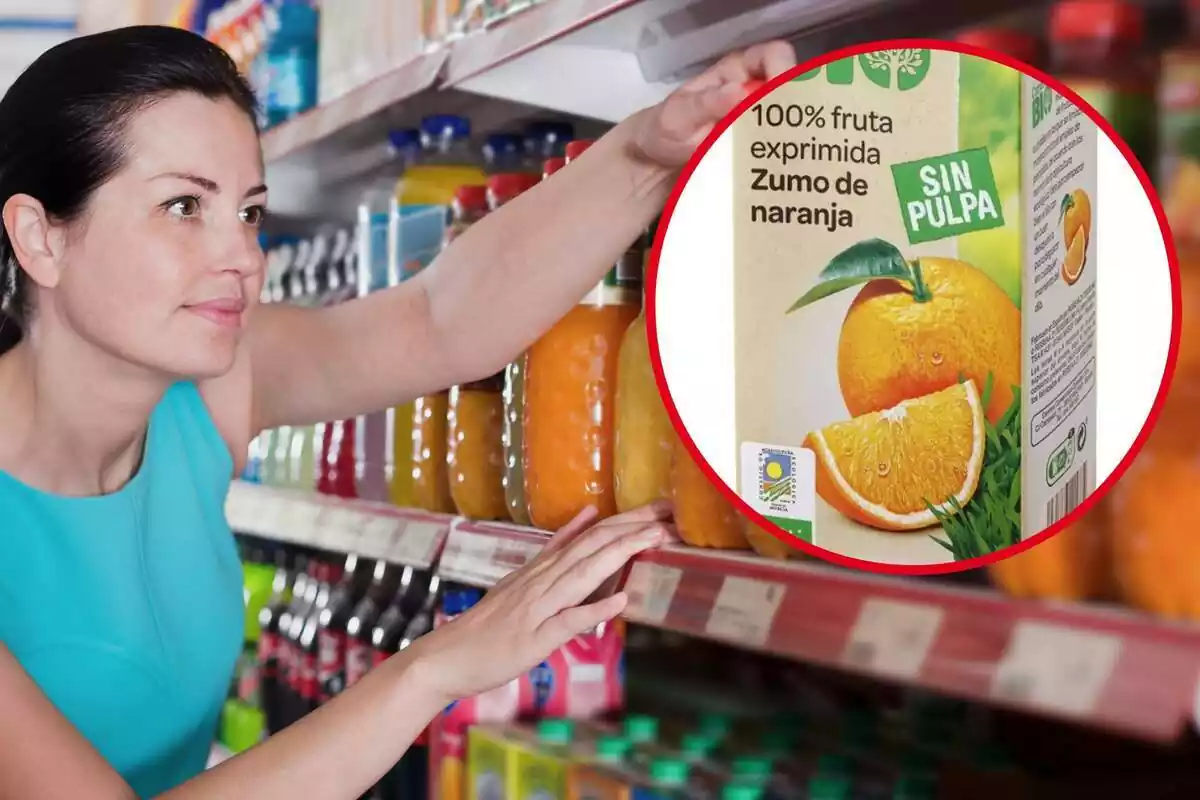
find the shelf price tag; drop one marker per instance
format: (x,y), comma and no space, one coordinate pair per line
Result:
(745,610)
(416,544)
(298,520)
(483,558)
(1055,667)
(339,529)
(892,637)
(650,588)
(378,534)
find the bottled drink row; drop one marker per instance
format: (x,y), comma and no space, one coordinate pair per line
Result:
(576,420)
(324,623)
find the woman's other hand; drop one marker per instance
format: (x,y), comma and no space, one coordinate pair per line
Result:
(542,606)
(672,130)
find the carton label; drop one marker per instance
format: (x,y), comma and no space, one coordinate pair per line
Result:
(914,314)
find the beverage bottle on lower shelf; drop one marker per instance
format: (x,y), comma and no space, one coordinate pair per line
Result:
(288,583)
(391,586)
(331,628)
(387,638)
(291,626)
(306,686)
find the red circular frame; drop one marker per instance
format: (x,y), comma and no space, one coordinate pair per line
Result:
(764,88)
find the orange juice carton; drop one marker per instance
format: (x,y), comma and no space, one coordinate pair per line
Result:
(914,306)
(491,762)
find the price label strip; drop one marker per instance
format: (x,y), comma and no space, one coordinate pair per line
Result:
(378,534)
(415,545)
(892,637)
(339,529)
(650,588)
(467,557)
(298,522)
(1056,668)
(745,610)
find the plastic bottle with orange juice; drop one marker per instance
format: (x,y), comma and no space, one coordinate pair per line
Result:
(569,410)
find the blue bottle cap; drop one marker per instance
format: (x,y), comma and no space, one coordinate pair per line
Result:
(452,603)
(501,144)
(404,139)
(470,597)
(439,125)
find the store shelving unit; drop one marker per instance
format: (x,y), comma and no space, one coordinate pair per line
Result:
(597,61)
(1105,668)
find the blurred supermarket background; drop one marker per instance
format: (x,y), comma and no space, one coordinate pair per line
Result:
(739,670)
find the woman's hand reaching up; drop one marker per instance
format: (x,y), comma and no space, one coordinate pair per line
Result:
(541,606)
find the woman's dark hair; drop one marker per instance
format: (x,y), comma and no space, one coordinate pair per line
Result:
(62,124)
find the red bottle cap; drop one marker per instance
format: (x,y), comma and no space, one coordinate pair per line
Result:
(576,148)
(471,197)
(507,185)
(1075,20)
(1016,44)
(553,165)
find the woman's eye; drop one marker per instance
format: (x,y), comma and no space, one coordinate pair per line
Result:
(184,207)
(253,215)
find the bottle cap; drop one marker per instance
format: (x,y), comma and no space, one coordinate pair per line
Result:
(669,771)
(470,598)
(752,767)
(715,725)
(641,728)
(1076,20)
(829,787)
(471,197)
(505,186)
(739,790)
(577,148)
(404,139)
(1014,43)
(498,145)
(552,166)
(555,731)
(448,125)
(695,745)
(543,138)
(612,748)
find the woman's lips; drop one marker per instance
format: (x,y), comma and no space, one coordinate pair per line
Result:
(225,312)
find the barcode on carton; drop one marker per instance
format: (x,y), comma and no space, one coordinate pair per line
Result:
(1069,497)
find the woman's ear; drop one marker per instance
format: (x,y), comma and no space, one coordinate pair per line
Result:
(36,241)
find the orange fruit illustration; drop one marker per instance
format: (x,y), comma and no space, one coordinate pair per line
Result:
(1077,216)
(885,468)
(894,346)
(1072,266)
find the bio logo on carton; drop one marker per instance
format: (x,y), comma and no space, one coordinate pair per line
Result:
(914,306)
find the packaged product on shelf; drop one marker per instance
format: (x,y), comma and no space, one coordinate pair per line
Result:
(495,11)
(1073,564)
(475,450)
(290,62)
(766,544)
(569,398)
(1156,557)
(288,584)
(642,435)
(1012,42)
(512,434)
(917,379)
(603,773)
(503,153)
(1178,170)
(375,464)
(546,139)
(333,640)
(1098,50)
(703,516)
(336,449)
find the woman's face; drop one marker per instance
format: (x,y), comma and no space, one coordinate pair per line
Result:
(165,265)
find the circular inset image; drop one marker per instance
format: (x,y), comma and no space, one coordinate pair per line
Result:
(879,315)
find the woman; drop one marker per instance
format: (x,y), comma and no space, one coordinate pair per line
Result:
(132,188)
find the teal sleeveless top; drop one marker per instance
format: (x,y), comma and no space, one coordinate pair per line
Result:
(126,609)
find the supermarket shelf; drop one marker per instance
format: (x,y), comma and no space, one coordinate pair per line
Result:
(1092,665)
(372,530)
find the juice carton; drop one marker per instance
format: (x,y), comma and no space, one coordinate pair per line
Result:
(491,763)
(914,306)
(543,761)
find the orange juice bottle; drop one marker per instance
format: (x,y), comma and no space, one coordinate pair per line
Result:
(475,424)
(430,419)
(704,517)
(642,442)
(570,384)
(512,436)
